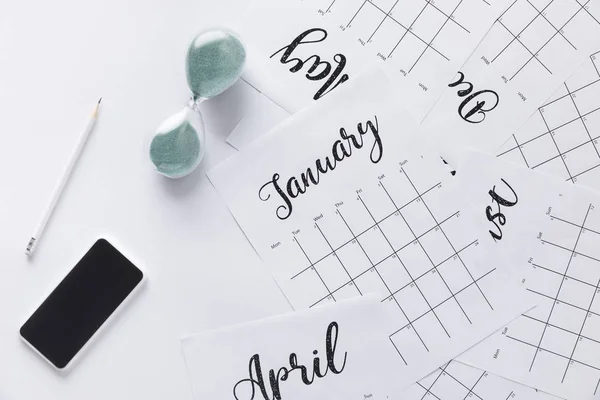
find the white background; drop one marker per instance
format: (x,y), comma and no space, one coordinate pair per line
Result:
(56,59)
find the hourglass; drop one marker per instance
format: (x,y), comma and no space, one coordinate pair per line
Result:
(215,60)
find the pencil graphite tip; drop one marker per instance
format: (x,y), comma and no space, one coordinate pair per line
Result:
(95,112)
(30,245)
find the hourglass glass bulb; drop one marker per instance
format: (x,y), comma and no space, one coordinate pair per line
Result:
(215,61)
(178,145)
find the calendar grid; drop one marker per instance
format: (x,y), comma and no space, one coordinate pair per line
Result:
(561,155)
(447,239)
(560,327)
(435,268)
(535,53)
(564,276)
(448,18)
(347,279)
(470,384)
(330,6)
(549,131)
(445,301)
(562,302)
(561,286)
(373,266)
(431,269)
(388,289)
(338,258)
(570,95)
(472,388)
(581,110)
(387,15)
(428,390)
(578,334)
(516,37)
(520,151)
(588,11)
(407,29)
(363,232)
(543,15)
(520,32)
(407,271)
(317,272)
(574,252)
(552,352)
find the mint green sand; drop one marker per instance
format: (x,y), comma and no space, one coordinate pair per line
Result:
(176,153)
(215,61)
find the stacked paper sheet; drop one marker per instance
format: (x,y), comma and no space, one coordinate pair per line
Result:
(385,183)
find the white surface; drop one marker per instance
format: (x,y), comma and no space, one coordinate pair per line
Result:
(382,218)
(260,115)
(56,59)
(350,335)
(62,183)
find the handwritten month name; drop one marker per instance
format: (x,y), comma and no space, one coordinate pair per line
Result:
(474,113)
(319,69)
(341,149)
(498,218)
(256,380)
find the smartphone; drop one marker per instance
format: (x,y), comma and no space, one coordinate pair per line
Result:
(82,304)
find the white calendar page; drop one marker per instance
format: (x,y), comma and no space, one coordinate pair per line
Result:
(293,57)
(458,381)
(529,52)
(506,204)
(381,218)
(329,353)
(561,138)
(423,43)
(554,347)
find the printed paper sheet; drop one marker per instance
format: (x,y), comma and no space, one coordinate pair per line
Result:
(340,201)
(330,353)
(554,347)
(529,52)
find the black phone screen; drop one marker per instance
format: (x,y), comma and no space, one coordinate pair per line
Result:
(81,303)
